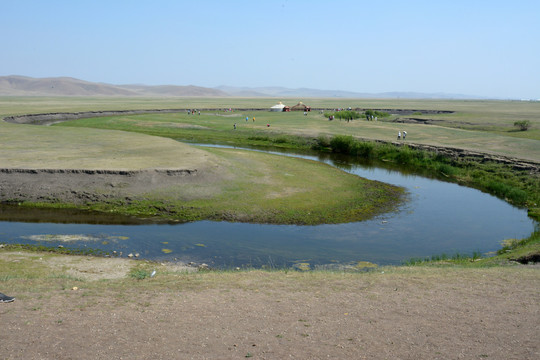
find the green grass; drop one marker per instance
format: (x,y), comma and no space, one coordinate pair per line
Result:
(516,186)
(512,250)
(32,146)
(266,188)
(217,127)
(486,126)
(250,186)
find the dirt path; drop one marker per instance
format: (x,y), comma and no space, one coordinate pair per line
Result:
(395,313)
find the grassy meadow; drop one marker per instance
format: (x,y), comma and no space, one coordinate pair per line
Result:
(480,125)
(466,128)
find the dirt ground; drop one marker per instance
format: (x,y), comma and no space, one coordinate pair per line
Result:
(390,313)
(81,186)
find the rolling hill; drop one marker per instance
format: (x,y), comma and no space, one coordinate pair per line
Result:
(66,86)
(15,85)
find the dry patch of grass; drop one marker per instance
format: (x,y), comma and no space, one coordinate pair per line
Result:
(28,265)
(38,147)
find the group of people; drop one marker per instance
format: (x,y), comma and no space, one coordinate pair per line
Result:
(401,135)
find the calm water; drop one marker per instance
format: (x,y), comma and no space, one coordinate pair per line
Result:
(438,218)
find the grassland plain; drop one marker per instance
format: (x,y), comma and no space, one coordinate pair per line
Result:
(486,117)
(215,126)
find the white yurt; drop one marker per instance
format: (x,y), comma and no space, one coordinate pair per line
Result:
(277,107)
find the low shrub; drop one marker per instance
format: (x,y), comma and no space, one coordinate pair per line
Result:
(375,113)
(342,144)
(446,169)
(523,125)
(363,149)
(321,142)
(139,274)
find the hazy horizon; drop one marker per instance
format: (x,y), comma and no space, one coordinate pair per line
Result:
(480,48)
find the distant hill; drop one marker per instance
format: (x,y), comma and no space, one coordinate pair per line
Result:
(286,92)
(58,86)
(283,92)
(65,86)
(173,90)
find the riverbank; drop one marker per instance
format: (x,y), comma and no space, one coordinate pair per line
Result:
(512,178)
(95,308)
(205,184)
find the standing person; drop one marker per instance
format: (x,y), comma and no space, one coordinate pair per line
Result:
(404,134)
(253,119)
(247,118)
(234,126)
(399,135)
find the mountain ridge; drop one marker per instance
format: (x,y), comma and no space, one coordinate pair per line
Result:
(17,85)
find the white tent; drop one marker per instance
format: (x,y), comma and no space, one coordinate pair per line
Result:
(278,107)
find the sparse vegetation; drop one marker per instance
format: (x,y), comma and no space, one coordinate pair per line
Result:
(523,125)
(139,274)
(376,113)
(344,115)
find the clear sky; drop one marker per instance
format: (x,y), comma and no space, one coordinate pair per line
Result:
(477,47)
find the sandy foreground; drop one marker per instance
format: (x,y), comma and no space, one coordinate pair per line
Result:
(390,313)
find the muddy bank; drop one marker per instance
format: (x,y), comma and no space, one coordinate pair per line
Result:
(80,186)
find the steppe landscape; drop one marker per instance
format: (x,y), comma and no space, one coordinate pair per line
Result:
(86,307)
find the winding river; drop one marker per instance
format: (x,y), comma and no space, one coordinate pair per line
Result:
(439,218)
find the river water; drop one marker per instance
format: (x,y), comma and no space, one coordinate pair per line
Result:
(439,218)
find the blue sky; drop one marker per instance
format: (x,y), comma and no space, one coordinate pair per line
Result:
(476,47)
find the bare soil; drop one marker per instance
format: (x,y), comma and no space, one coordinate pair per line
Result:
(82,186)
(390,313)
